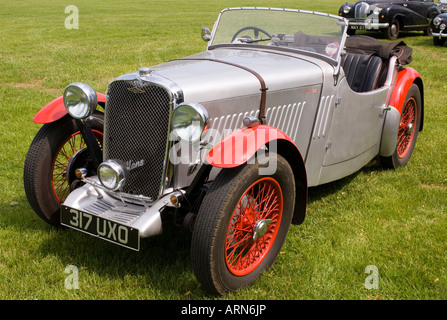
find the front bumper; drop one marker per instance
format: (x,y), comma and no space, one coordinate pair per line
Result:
(367,25)
(92,210)
(439,35)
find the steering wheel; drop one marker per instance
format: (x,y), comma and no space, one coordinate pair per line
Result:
(256,32)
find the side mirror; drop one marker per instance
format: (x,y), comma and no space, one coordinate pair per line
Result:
(206,34)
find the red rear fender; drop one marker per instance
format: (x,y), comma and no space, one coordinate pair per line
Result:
(405,79)
(55,110)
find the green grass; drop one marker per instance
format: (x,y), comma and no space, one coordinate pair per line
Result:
(394,220)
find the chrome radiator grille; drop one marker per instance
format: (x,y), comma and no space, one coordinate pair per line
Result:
(361,10)
(136,129)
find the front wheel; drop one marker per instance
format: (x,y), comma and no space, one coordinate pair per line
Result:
(409,126)
(57,149)
(392,32)
(242,225)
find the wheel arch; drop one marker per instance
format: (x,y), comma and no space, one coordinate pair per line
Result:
(406,77)
(293,156)
(240,146)
(55,109)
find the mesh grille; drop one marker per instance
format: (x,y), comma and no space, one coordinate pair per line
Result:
(136,129)
(361,10)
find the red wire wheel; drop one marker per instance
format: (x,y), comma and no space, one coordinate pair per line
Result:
(68,149)
(57,147)
(407,127)
(253,226)
(242,224)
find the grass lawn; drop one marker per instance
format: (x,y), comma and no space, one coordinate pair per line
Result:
(392,220)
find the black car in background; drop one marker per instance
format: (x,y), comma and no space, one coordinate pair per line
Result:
(438,28)
(390,16)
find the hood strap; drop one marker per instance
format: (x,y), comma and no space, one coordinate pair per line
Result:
(257,75)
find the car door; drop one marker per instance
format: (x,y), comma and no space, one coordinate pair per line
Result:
(355,131)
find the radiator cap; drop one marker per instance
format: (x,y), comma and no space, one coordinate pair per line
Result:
(145,71)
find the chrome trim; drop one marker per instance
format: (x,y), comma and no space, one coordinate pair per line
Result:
(391,71)
(137,199)
(199,109)
(176,98)
(120,171)
(361,10)
(89,93)
(440,35)
(147,219)
(369,25)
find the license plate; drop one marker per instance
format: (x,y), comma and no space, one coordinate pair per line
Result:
(99,227)
(357,27)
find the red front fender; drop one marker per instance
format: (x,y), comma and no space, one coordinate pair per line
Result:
(241,145)
(55,109)
(238,147)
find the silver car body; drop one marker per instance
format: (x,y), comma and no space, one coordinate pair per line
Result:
(336,129)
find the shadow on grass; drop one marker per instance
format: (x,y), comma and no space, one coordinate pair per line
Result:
(317,193)
(162,266)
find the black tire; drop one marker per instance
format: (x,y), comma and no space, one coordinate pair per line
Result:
(351,32)
(392,32)
(439,42)
(44,175)
(409,127)
(221,270)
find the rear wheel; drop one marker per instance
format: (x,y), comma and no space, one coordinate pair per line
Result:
(410,123)
(241,226)
(55,152)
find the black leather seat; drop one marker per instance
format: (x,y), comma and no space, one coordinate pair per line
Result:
(362,71)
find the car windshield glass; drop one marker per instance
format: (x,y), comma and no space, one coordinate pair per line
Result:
(282,28)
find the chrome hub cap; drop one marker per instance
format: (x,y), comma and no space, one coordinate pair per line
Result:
(260,228)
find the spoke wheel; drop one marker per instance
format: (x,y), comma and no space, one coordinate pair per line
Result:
(241,225)
(47,169)
(253,226)
(406,128)
(409,127)
(70,148)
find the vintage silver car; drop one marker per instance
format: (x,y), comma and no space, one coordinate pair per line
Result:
(225,142)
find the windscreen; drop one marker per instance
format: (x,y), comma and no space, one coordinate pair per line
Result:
(293,29)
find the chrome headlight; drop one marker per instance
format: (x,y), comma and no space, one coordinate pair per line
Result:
(437,21)
(80,100)
(112,174)
(189,122)
(377,10)
(346,9)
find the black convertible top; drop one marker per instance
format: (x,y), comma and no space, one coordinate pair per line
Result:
(385,50)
